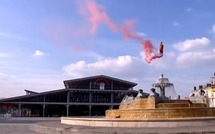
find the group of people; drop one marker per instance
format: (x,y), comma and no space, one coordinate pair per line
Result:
(129,98)
(152,93)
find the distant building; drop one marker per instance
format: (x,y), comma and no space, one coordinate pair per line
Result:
(204,93)
(89,96)
(209,91)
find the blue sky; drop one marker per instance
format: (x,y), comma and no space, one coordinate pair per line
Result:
(43,43)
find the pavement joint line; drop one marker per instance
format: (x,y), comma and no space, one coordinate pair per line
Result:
(18,124)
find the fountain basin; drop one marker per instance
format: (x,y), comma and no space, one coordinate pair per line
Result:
(151,113)
(166,113)
(150,108)
(147,123)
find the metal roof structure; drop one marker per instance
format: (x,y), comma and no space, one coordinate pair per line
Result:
(80,97)
(131,84)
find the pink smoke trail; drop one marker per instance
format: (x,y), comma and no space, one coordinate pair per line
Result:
(97,16)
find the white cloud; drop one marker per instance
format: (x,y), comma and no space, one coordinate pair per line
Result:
(167,61)
(196,59)
(188,9)
(7,35)
(175,23)
(3,76)
(141,33)
(133,66)
(126,67)
(4,55)
(107,66)
(213,29)
(129,68)
(192,44)
(123,67)
(94,55)
(14,85)
(6,77)
(39,53)
(214,50)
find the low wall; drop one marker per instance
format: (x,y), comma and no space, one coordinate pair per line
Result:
(102,122)
(160,113)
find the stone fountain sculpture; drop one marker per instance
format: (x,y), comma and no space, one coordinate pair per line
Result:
(159,106)
(162,83)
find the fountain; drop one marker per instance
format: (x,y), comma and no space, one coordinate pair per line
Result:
(163,84)
(152,111)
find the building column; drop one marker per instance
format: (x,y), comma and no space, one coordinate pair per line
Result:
(68,97)
(90,97)
(67,110)
(90,84)
(111,98)
(67,105)
(20,110)
(44,108)
(90,110)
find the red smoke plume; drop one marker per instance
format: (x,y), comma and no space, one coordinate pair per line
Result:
(97,16)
